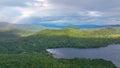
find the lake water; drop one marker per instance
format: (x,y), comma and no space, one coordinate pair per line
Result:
(111,53)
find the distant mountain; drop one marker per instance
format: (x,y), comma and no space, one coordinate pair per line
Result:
(19,29)
(38,27)
(28,27)
(113,25)
(4,26)
(80,26)
(97,26)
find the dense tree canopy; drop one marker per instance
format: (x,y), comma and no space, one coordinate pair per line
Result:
(17,51)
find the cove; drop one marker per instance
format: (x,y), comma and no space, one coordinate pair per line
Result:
(110,53)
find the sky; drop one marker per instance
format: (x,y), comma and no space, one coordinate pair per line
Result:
(60,12)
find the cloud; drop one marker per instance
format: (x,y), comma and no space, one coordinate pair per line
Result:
(25,8)
(60,11)
(98,5)
(94,13)
(15,3)
(100,9)
(8,13)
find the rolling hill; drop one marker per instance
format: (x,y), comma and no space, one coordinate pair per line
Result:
(30,51)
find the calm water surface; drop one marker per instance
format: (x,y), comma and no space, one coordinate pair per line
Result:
(111,53)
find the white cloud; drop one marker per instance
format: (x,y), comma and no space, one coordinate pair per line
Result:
(94,13)
(14,3)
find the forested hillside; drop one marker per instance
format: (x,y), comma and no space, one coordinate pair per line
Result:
(67,37)
(43,61)
(30,51)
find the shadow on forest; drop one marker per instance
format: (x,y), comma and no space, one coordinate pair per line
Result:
(38,43)
(8,35)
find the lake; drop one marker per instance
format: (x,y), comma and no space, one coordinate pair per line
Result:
(111,53)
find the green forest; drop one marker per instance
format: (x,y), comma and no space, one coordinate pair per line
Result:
(43,61)
(29,50)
